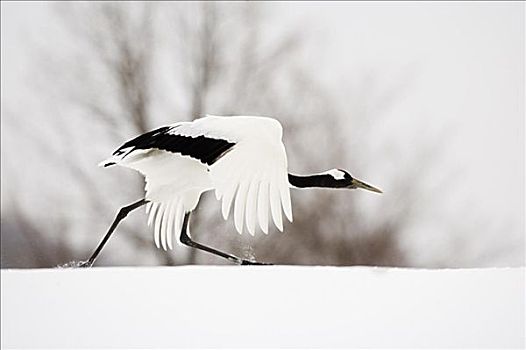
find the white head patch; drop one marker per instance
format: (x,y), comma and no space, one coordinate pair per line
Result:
(336,174)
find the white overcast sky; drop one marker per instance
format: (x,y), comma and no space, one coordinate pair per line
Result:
(466,62)
(469,61)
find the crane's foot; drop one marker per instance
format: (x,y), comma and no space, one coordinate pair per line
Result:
(85,264)
(248,262)
(76,264)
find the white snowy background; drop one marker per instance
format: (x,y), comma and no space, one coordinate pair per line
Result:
(274,306)
(424,100)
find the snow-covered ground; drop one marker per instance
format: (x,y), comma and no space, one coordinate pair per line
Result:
(263,306)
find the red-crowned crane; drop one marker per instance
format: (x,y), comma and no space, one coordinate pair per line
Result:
(241,158)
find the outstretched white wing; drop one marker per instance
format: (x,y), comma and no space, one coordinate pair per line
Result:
(242,158)
(252,176)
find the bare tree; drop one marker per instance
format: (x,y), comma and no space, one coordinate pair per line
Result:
(119,42)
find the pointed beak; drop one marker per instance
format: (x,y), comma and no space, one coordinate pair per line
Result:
(360,184)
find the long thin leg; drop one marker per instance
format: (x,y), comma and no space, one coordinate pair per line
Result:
(185,239)
(123,212)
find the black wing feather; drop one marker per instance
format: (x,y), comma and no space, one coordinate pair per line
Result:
(203,148)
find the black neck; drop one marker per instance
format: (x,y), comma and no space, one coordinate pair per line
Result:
(319,180)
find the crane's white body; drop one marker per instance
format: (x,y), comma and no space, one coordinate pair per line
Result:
(252,175)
